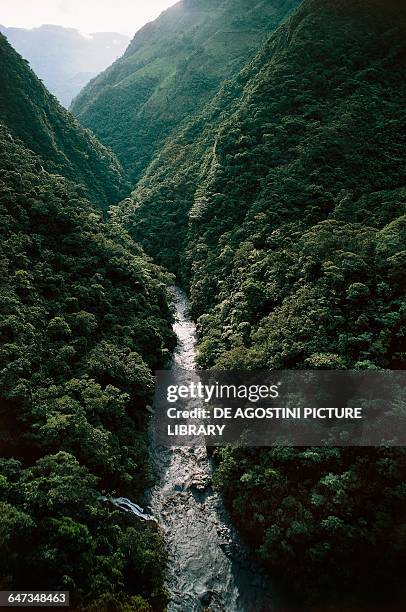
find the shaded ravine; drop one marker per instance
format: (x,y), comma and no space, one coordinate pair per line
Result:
(209,569)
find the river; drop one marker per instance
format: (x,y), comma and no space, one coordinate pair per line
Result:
(209,568)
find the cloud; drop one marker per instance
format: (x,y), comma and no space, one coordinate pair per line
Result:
(64,6)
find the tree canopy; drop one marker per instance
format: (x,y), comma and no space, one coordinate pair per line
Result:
(281,207)
(33,115)
(84,320)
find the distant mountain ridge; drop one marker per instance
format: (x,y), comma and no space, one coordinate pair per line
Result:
(172,67)
(64,58)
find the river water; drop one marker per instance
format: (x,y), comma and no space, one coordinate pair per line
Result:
(209,568)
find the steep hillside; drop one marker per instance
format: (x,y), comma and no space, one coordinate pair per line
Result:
(305,140)
(32,114)
(63,58)
(83,322)
(170,70)
(282,207)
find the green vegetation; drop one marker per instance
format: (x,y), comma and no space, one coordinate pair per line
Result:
(282,208)
(169,72)
(278,198)
(84,321)
(33,115)
(328,524)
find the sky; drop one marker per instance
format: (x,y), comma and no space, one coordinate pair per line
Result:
(124,16)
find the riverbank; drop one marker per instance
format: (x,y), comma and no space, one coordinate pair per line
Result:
(209,568)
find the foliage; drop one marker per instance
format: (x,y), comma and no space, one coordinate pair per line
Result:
(83,322)
(33,115)
(172,67)
(327,523)
(281,206)
(278,198)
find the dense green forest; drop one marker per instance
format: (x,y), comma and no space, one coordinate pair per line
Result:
(281,207)
(272,183)
(173,66)
(32,114)
(84,321)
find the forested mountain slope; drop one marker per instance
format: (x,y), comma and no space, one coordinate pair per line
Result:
(306,143)
(64,58)
(32,114)
(83,323)
(173,66)
(282,207)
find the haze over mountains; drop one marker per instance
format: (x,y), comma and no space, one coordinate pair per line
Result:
(64,58)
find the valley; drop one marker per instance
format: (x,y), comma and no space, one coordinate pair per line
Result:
(253,153)
(209,567)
